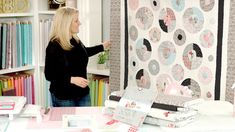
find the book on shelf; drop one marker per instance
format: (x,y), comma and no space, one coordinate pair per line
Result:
(15,44)
(18,84)
(99,90)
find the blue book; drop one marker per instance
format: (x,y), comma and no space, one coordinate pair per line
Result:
(18,44)
(30,44)
(23,42)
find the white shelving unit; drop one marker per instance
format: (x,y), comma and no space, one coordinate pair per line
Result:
(94,70)
(90,34)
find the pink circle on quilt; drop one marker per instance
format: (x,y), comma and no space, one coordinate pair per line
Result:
(154,34)
(133,4)
(207,39)
(205,75)
(163,80)
(177,72)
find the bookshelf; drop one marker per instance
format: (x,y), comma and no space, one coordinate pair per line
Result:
(18,56)
(38,12)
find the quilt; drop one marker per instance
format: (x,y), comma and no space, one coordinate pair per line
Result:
(174,41)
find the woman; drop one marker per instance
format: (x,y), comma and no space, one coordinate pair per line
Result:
(66,60)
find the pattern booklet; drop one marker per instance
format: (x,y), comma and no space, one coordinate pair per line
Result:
(136,103)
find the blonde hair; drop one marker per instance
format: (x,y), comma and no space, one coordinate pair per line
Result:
(61,27)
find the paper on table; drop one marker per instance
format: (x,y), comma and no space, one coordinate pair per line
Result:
(56,114)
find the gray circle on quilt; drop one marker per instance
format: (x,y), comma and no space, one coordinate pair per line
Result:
(154,67)
(133,32)
(155,34)
(193,20)
(167,53)
(179,37)
(210,58)
(207,5)
(144,18)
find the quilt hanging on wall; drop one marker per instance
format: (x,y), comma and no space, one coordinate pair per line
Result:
(174,41)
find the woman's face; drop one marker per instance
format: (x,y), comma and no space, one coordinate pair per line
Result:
(74,27)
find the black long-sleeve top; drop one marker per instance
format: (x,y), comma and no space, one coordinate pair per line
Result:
(61,65)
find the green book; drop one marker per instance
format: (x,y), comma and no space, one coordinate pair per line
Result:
(95,92)
(1,87)
(92,92)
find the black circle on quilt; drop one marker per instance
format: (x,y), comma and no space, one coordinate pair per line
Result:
(143,49)
(154,67)
(155,4)
(179,37)
(192,85)
(134,64)
(143,79)
(167,20)
(192,56)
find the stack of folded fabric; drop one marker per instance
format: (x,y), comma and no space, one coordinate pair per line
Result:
(167,110)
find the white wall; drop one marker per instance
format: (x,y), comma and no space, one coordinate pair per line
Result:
(105,20)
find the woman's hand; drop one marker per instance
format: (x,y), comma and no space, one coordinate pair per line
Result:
(79,81)
(106,45)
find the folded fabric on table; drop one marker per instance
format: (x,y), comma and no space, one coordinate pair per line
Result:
(162,114)
(159,122)
(169,102)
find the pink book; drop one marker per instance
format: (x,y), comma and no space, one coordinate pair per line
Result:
(33,94)
(20,86)
(16,86)
(23,85)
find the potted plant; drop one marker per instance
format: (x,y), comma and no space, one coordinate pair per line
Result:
(102,58)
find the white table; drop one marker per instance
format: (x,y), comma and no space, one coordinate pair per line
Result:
(205,123)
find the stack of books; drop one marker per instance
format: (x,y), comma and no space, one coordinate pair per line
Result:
(167,110)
